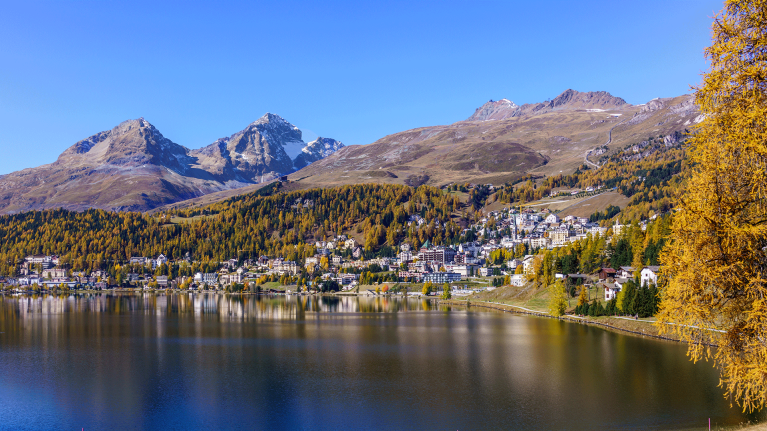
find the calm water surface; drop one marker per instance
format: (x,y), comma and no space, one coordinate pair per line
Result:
(202,361)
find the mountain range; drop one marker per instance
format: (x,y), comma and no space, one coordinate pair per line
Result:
(134,167)
(502,142)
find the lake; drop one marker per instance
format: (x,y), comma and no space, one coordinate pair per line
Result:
(206,361)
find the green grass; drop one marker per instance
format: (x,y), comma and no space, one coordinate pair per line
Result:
(273,285)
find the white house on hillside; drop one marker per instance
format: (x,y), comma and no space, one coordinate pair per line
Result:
(649,275)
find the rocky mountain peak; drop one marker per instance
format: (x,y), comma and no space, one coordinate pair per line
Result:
(323,146)
(587,100)
(274,121)
(316,150)
(569,100)
(267,147)
(129,144)
(494,110)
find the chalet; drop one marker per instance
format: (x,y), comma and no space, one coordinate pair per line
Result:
(625,272)
(611,290)
(357,253)
(606,273)
(578,278)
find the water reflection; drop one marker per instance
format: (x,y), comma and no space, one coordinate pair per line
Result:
(205,361)
(208,306)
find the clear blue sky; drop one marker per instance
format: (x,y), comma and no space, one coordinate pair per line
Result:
(354,71)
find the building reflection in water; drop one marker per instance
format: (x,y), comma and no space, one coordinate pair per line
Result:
(207,306)
(207,361)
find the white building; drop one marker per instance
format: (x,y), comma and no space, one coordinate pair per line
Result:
(527,264)
(612,289)
(518,280)
(649,275)
(207,278)
(539,242)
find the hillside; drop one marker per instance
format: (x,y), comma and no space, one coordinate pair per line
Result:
(134,167)
(502,142)
(272,223)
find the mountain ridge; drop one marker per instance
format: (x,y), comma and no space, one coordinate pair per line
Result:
(501,141)
(134,167)
(568,99)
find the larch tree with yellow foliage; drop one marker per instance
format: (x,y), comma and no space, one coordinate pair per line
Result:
(557,299)
(716,264)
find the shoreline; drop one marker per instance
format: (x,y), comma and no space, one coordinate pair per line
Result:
(615,324)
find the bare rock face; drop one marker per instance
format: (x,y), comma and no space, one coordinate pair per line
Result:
(491,110)
(316,150)
(268,147)
(134,167)
(590,100)
(131,143)
(259,150)
(653,105)
(568,100)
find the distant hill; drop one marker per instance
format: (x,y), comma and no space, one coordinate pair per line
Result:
(502,141)
(134,167)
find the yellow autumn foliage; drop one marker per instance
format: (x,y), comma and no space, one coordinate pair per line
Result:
(716,265)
